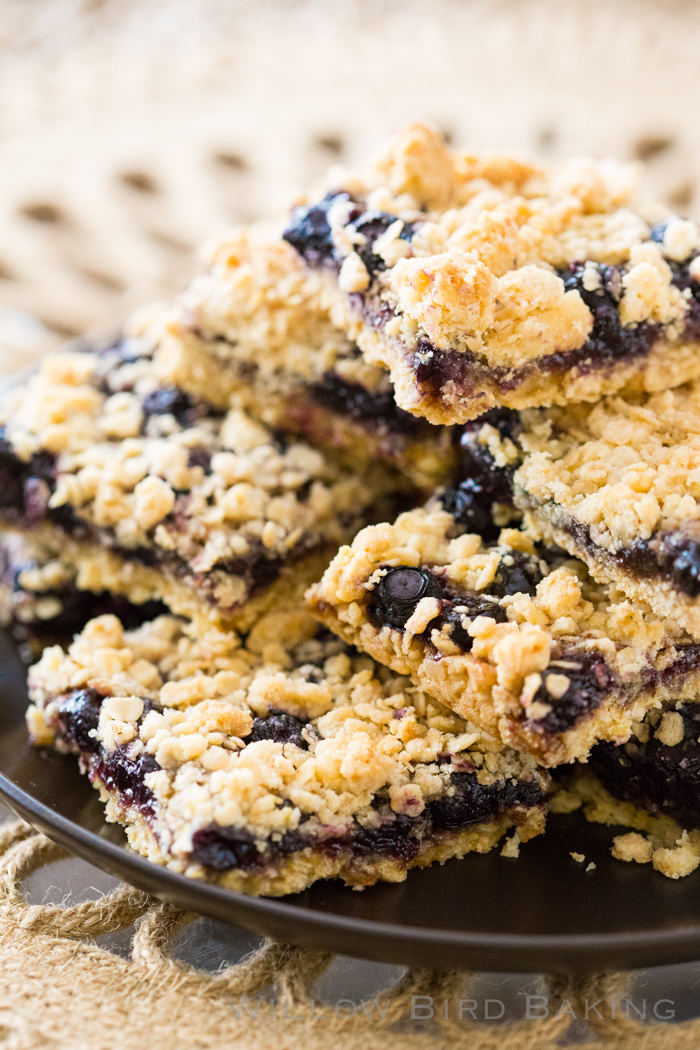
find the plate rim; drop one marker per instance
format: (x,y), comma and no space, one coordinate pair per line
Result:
(572,952)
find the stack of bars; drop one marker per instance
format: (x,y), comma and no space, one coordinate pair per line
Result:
(384,537)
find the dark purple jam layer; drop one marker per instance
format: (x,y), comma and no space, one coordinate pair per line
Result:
(670,556)
(225,848)
(590,681)
(375,411)
(398,836)
(654,776)
(77,719)
(609,342)
(309,233)
(395,598)
(594,680)
(77,607)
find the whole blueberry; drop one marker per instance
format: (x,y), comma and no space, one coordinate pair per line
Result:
(518,573)
(279,727)
(470,504)
(309,232)
(397,594)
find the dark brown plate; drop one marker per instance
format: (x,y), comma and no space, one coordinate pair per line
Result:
(543,912)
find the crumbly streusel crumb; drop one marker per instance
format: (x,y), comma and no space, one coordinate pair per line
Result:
(657,837)
(632,847)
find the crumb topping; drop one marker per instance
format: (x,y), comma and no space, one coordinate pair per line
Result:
(625,467)
(190,701)
(262,306)
(472,258)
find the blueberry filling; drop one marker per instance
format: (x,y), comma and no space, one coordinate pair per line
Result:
(78,714)
(687,284)
(126,350)
(372,224)
(608,337)
(473,802)
(25,486)
(224,848)
(470,504)
(395,597)
(590,680)
(25,489)
(200,457)
(118,771)
(680,556)
(398,836)
(76,608)
(467,606)
(517,573)
(257,572)
(309,232)
(77,717)
(657,232)
(654,775)
(672,556)
(280,728)
(169,401)
(376,410)
(482,483)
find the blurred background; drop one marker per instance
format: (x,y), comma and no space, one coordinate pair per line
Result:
(132,129)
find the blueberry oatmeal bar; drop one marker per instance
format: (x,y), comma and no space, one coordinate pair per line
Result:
(617,484)
(512,636)
(269,766)
(482,280)
(650,784)
(252,328)
(40,602)
(147,492)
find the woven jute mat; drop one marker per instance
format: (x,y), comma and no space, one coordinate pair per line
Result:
(59,989)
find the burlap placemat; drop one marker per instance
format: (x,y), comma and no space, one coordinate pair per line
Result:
(57,989)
